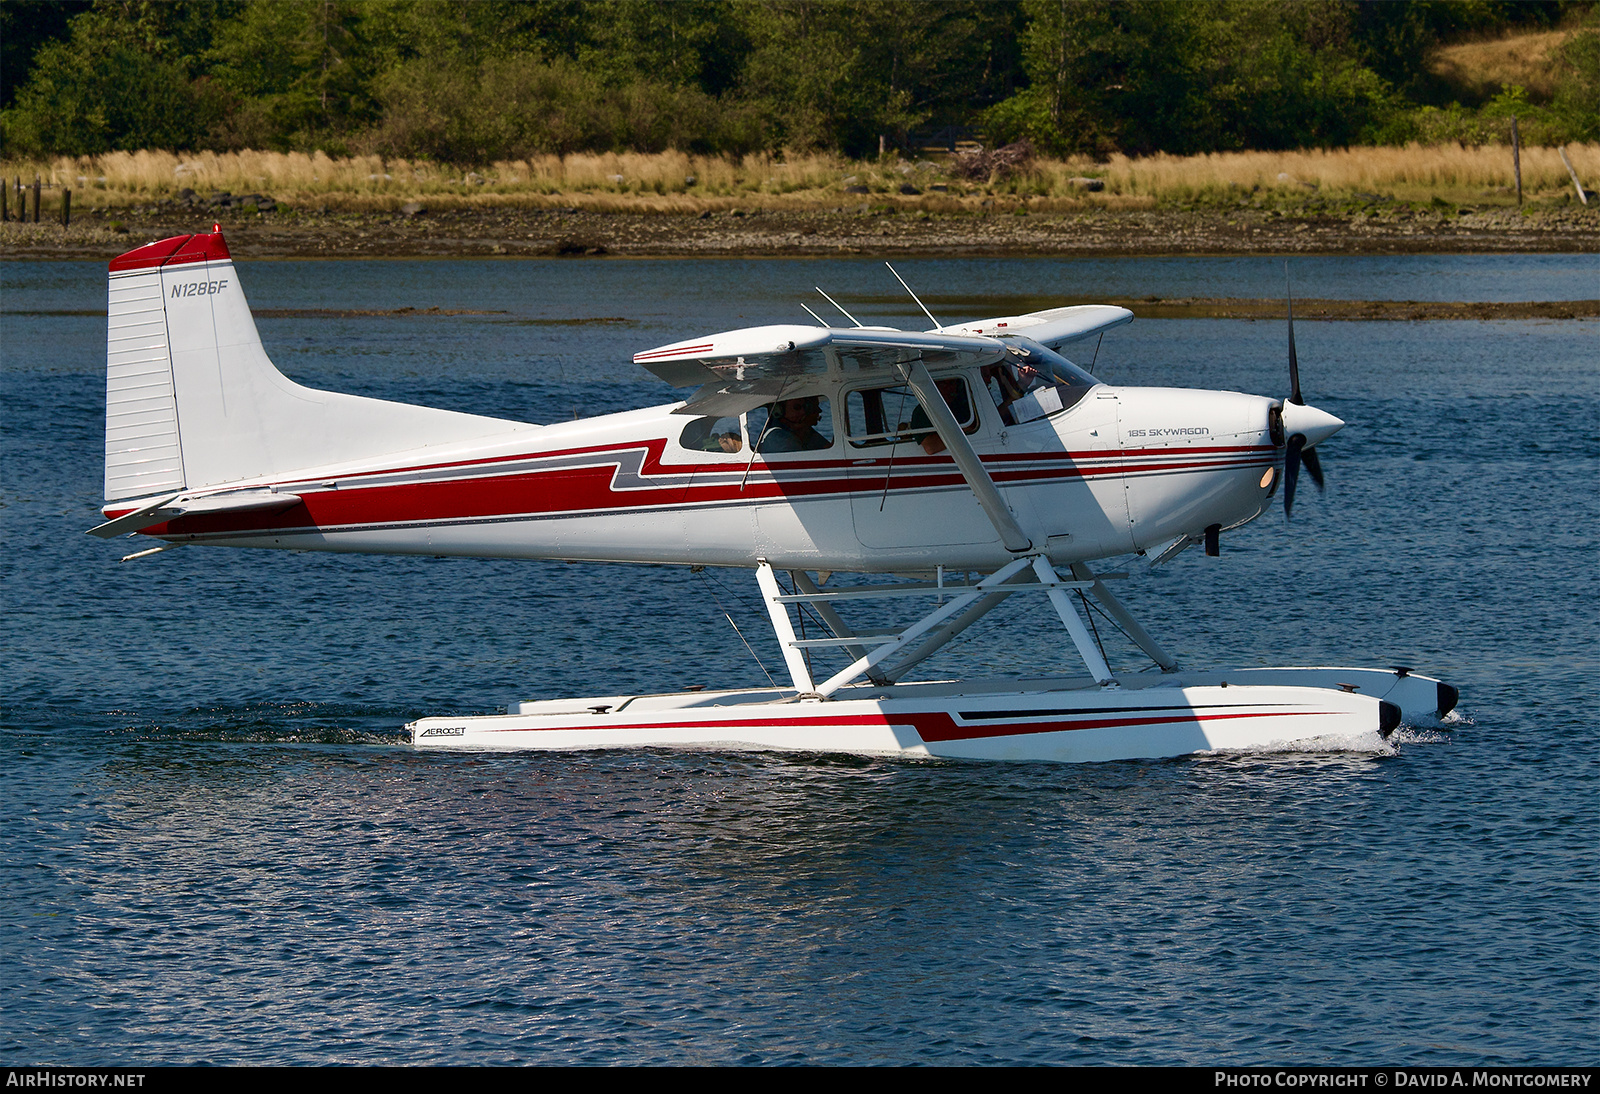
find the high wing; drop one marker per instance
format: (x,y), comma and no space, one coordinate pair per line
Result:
(742,369)
(1053,328)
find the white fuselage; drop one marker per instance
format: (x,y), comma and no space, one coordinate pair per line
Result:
(1120,470)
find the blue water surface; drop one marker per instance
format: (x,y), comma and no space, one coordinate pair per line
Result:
(215,847)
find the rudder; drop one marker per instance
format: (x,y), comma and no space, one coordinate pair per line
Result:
(193,401)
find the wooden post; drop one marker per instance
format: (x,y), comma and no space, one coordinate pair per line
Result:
(1576,185)
(4,211)
(1516,157)
(36,199)
(66,208)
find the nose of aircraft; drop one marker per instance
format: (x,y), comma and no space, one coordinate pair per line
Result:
(1313,424)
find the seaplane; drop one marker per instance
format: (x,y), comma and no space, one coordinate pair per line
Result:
(923,477)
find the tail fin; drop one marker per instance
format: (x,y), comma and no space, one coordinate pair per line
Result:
(193,401)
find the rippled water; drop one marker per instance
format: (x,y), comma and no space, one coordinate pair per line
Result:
(216,849)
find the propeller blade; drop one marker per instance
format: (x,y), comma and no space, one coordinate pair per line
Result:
(1313,466)
(1291,472)
(1294,362)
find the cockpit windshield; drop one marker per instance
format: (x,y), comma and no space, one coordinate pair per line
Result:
(1032,382)
(1025,353)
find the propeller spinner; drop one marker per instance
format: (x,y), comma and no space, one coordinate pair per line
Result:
(1302,425)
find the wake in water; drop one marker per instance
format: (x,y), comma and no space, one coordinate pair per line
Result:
(254,723)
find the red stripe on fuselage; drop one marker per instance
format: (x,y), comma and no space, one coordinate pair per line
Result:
(503,493)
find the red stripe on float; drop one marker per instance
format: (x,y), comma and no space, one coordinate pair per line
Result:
(931,726)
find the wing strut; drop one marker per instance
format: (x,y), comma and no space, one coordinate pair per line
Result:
(960,449)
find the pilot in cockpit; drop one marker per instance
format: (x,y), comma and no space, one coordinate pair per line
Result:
(1004,387)
(793,427)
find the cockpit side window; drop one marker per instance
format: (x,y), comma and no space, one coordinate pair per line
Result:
(887,415)
(792,425)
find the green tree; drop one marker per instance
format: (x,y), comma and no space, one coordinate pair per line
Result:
(515,106)
(299,69)
(690,43)
(842,76)
(1577,98)
(27,26)
(1087,64)
(1148,75)
(470,31)
(123,80)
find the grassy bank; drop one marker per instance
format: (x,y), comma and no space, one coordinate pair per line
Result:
(675,182)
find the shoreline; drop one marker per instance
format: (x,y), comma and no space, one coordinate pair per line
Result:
(1149,307)
(866,230)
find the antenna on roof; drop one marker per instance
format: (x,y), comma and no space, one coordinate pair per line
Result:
(914,296)
(835,303)
(814,315)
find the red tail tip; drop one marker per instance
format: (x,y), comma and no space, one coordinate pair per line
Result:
(178,250)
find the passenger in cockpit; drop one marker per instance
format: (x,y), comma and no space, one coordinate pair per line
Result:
(704,435)
(954,393)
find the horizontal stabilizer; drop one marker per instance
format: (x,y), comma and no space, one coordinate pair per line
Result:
(181,505)
(1053,328)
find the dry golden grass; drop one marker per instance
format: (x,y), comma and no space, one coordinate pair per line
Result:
(297,175)
(676,182)
(1413,172)
(1524,60)
(666,173)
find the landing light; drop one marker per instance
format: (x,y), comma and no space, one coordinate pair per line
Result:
(1266,480)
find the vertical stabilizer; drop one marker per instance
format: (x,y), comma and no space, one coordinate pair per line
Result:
(193,401)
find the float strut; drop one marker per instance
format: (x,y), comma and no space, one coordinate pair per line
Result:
(1092,658)
(783,626)
(1125,620)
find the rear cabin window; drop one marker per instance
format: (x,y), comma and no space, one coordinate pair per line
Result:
(887,415)
(712,435)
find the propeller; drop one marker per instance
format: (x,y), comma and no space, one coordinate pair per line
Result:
(1300,422)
